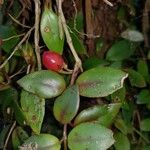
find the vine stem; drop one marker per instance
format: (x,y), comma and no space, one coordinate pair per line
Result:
(78,64)
(36,33)
(108,3)
(16,48)
(10,131)
(12,37)
(16,21)
(65,136)
(141,135)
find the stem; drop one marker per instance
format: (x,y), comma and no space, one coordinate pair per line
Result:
(36,33)
(78,64)
(65,136)
(89,27)
(48,4)
(18,72)
(16,21)
(12,37)
(75,24)
(141,135)
(108,3)
(16,48)
(7,139)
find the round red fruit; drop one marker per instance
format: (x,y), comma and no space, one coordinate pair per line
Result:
(52,61)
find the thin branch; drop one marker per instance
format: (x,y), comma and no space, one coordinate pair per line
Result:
(108,3)
(36,33)
(12,37)
(89,27)
(1,2)
(141,135)
(65,136)
(7,139)
(16,21)
(78,64)
(59,21)
(18,72)
(145,22)
(75,24)
(16,48)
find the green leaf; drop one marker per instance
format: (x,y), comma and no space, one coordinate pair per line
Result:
(42,141)
(116,64)
(143,97)
(7,32)
(67,105)
(3,135)
(77,43)
(132,35)
(90,114)
(119,95)
(9,97)
(145,124)
(33,108)
(18,137)
(146,147)
(90,136)
(108,118)
(50,31)
(121,13)
(142,68)
(99,44)
(100,81)
(79,22)
(136,79)
(92,62)
(120,124)
(122,141)
(44,83)
(120,50)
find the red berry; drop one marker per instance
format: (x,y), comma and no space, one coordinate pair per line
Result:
(52,61)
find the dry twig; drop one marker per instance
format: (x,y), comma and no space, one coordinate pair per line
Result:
(12,37)
(7,139)
(16,21)
(78,64)
(36,33)
(16,48)
(108,3)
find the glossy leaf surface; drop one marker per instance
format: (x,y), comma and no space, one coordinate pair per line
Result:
(90,136)
(136,79)
(142,68)
(121,125)
(122,142)
(120,50)
(44,83)
(66,105)
(50,31)
(42,141)
(18,137)
(108,118)
(119,95)
(34,109)
(143,97)
(100,81)
(90,114)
